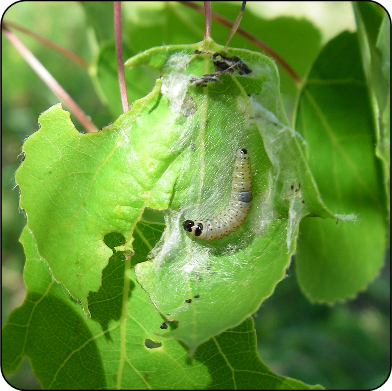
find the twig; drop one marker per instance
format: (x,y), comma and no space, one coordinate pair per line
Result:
(119,56)
(48,79)
(67,53)
(207,13)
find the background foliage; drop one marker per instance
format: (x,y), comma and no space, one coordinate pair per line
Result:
(344,346)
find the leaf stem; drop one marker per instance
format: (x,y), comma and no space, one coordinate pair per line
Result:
(207,13)
(119,56)
(49,80)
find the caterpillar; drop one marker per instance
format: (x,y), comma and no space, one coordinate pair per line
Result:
(231,218)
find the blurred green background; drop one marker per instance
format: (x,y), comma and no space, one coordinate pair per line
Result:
(346,346)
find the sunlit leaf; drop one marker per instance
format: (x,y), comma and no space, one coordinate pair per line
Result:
(336,260)
(117,347)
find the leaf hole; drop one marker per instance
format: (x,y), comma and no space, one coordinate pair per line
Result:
(114,239)
(151,344)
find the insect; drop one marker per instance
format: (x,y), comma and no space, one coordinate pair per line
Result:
(203,80)
(222,65)
(230,219)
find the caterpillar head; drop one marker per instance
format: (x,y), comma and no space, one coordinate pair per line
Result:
(194,229)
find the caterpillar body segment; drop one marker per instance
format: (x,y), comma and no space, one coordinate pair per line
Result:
(234,215)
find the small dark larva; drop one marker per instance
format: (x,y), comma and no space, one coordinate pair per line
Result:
(230,219)
(224,64)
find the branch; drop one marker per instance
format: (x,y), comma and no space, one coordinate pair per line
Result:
(48,79)
(207,13)
(58,48)
(119,56)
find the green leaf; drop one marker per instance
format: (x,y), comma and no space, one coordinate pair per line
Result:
(374,33)
(175,151)
(85,186)
(117,347)
(370,15)
(383,44)
(242,269)
(173,23)
(384,100)
(335,261)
